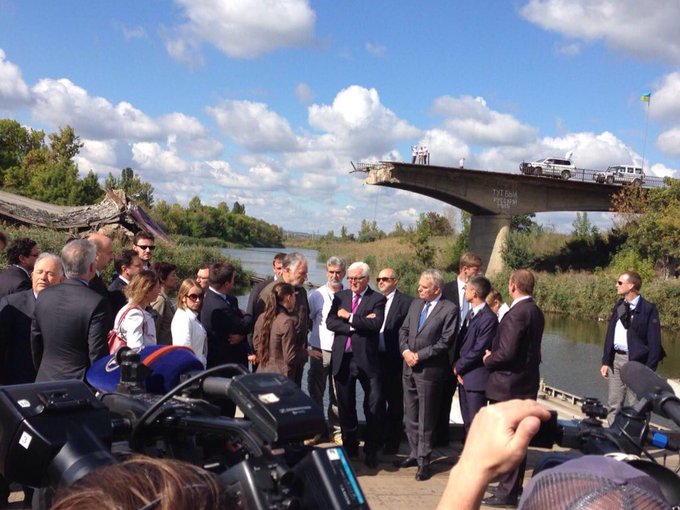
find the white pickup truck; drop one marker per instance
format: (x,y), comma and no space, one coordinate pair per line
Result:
(550,167)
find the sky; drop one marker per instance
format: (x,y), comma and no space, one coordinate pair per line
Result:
(268,102)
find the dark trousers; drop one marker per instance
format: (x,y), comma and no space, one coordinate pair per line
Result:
(510,484)
(441,429)
(421,402)
(392,389)
(346,386)
(470,404)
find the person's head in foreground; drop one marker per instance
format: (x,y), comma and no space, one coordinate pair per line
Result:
(145,483)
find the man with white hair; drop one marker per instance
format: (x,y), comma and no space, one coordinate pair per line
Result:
(16,316)
(356,316)
(70,323)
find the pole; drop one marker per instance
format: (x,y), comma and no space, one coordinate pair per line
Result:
(646,98)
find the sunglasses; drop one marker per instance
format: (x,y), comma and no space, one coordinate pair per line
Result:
(149,247)
(195,297)
(384,279)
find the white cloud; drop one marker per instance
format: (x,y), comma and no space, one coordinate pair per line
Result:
(471,119)
(156,164)
(374,49)
(253,126)
(644,28)
(445,148)
(304,93)
(669,141)
(131,33)
(665,101)
(14,92)
(569,50)
(240,28)
(358,124)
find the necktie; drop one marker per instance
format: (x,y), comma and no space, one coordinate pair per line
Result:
(423,315)
(625,320)
(355,305)
(469,317)
(464,305)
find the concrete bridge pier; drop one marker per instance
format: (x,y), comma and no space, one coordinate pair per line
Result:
(488,235)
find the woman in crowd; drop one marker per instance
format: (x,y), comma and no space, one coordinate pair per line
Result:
(164,307)
(186,328)
(274,334)
(133,322)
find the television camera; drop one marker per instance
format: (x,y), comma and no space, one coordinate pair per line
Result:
(628,437)
(54,433)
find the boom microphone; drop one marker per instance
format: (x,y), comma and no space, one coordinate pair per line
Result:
(646,384)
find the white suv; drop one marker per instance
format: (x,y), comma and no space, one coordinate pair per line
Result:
(621,174)
(550,167)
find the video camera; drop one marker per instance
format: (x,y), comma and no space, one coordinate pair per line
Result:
(54,433)
(630,434)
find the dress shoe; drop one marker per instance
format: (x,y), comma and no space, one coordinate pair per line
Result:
(406,463)
(371,460)
(423,473)
(499,501)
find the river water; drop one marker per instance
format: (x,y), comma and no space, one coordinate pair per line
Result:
(572,347)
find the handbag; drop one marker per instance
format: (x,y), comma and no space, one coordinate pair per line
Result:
(116,339)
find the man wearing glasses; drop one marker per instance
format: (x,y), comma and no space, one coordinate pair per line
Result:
(356,317)
(391,362)
(321,343)
(143,244)
(634,334)
(21,255)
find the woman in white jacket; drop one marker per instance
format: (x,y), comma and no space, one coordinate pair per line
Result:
(186,328)
(133,322)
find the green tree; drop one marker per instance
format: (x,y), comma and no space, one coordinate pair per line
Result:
(437,224)
(15,142)
(583,229)
(369,232)
(524,223)
(238,208)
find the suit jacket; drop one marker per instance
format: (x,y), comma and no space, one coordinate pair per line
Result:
(474,340)
(393,321)
(644,335)
(254,297)
(301,310)
(516,353)
(69,330)
(285,356)
(220,318)
(117,299)
(432,342)
(16,316)
(13,279)
(365,333)
(450,291)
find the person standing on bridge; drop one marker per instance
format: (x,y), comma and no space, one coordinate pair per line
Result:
(634,334)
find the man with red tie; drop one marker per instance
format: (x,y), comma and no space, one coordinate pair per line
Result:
(356,317)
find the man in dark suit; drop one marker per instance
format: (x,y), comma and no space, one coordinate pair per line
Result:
(474,339)
(127,264)
(356,316)
(144,244)
(70,323)
(16,316)
(391,362)
(513,363)
(469,265)
(21,255)
(634,334)
(425,339)
(226,326)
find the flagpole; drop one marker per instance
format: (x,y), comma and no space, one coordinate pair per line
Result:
(648,99)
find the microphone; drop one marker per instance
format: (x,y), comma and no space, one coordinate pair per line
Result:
(645,383)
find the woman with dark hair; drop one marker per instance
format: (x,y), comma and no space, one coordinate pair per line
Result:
(186,329)
(275,333)
(164,307)
(133,322)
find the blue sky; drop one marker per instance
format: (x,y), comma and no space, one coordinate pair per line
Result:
(267,102)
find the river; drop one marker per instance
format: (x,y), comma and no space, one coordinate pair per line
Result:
(572,347)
